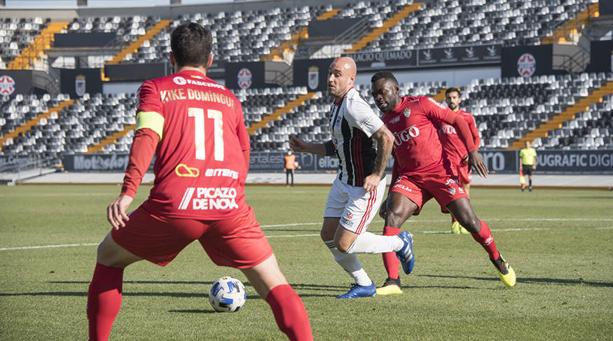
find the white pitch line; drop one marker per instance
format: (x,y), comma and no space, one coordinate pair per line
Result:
(294,224)
(527,229)
(294,235)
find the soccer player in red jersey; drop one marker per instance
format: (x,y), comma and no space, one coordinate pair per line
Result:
(454,148)
(195,128)
(421,172)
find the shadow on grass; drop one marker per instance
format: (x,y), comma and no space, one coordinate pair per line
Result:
(125,293)
(193,311)
(306,286)
(204,294)
(534,280)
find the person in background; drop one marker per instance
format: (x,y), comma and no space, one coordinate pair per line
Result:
(527,166)
(290,165)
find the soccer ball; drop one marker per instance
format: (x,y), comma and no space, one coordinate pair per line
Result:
(227,294)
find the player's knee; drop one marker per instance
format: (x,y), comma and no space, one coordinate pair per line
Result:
(469,222)
(395,216)
(326,235)
(104,255)
(343,246)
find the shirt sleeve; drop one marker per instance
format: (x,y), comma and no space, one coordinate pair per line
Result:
(150,110)
(142,150)
(435,111)
(361,115)
(241,129)
(472,124)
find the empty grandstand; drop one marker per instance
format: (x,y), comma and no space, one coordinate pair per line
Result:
(529,70)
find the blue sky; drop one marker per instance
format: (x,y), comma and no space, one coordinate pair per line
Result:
(98,3)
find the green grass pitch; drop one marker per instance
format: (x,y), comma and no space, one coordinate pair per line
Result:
(559,242)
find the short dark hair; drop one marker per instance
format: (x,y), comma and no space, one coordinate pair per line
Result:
(384,75)
(191,44)
(450,90)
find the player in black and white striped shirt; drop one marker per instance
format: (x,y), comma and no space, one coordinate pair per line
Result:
(363,144)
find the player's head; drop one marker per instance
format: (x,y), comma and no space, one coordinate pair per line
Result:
(341,76)
(385,90)
(528,144)
(453,97)
(191,45)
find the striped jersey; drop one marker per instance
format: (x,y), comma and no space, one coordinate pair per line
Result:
(353,123)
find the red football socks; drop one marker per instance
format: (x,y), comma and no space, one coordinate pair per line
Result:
(485,238)
(390,261)
(290,314)
(103,301)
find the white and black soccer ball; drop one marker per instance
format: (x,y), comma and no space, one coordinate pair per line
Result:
(227,294)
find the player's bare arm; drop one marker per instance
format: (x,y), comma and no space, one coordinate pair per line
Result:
(385,142)
(298,145)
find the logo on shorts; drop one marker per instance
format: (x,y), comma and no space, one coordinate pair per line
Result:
(403,187)
(179,80)
(349,215)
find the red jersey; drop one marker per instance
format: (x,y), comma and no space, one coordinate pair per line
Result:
(200,168)
(417,147)
(453,147)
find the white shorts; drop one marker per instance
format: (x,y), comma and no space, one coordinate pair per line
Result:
(356,207)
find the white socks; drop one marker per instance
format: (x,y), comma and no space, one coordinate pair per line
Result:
(368,242)
(350,263)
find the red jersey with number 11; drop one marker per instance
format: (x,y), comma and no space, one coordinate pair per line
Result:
(200,167)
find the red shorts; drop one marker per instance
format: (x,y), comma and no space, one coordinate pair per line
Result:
(419,189)
(237,241)
(463,173)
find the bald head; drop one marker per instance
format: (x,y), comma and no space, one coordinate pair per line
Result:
(341,76)
(348,64)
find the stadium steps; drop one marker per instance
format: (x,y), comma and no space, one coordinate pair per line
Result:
(111,139)
(41,43)
(276,54)
(387,25)
(568,114)
(289,106)
(27,126)
(572,27)
(133,46)
(329,14)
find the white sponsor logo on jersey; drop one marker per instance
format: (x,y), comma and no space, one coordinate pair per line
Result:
(221,172)
(209,198)
(448,129)
(179,80)
(405,135)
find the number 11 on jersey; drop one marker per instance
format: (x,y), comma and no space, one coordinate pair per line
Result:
(199,134)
